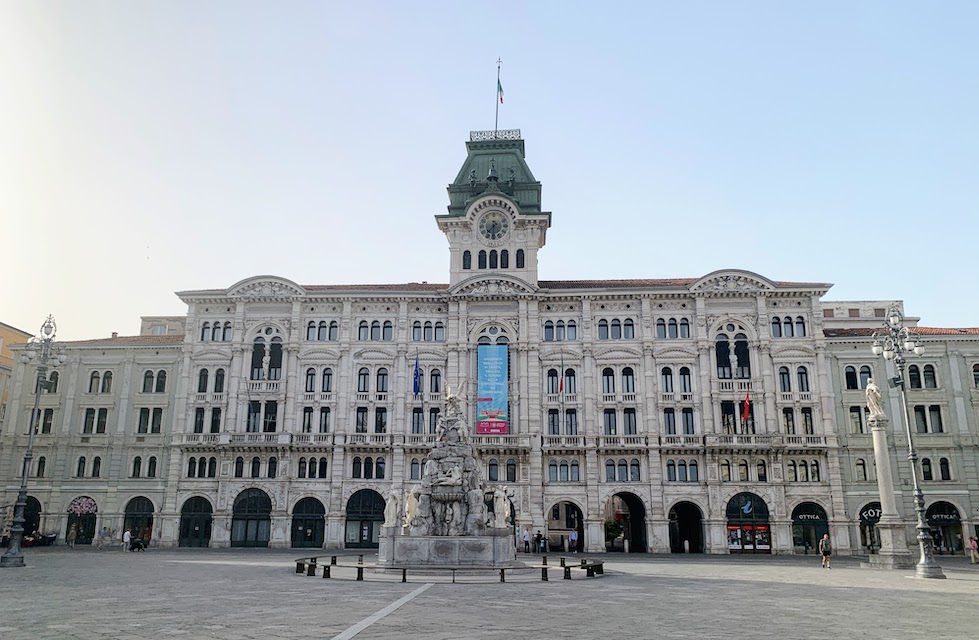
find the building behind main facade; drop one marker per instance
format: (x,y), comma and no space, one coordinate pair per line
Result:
(719,413)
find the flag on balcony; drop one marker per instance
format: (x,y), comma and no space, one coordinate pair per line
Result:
(417,378)
(746,412)
(560,380)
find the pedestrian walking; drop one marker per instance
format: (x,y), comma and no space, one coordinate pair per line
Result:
(72,536)
(973,550)
(538,542)
(526,540)
(103,534)
(126,540)
(826,549)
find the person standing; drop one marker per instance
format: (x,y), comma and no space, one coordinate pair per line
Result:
(72,536)
(103,533)
(573,541)
(826,549)
(973,550)
(526,540)
(126,539)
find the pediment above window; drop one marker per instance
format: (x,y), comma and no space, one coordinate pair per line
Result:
(498,286)
(732,282)
(266,287)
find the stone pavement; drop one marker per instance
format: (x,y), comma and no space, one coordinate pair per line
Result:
(236,593)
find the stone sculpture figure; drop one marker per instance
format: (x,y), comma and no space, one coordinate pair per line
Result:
(452,478)
(392,509)
(411,506)
(874,403)
(501,507)
(266,361)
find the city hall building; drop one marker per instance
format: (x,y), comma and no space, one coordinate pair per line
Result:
(721,413)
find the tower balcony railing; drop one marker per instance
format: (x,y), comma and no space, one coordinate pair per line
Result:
(563,441)
(621,442)
(313,438)
(263,386)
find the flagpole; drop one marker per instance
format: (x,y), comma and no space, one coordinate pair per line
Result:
(560,389)
(496,123)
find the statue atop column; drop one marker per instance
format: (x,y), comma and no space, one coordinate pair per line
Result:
(874,403)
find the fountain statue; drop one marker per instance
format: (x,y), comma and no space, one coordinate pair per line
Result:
(445,520)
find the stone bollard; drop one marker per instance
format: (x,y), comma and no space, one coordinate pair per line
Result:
(326,571)
(333,560)
(544,560)
(311,569)
(300,566)
(567,573)
(360,574)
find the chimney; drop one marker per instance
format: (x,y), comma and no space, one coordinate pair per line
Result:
(115,334)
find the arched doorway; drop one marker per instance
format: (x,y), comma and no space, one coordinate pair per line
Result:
(869,517)
(748,530)
(308,523)
(563,518)
(809,523)
(626,514)
(139,516)
(81,514)
(252,522)
(365,514)
(946,527)
(686,528)
(32,516)
(195,523)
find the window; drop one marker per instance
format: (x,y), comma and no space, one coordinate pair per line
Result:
(623,469)
(96,467)
(686,383)
(694,474)
(800,327)
(481,259)
(212,467)
(743,471)
(850,377)
(327,386)
(433,418)
(137,466)
(762,470)
(672,328)
(52,382)
(807,424)
(722,351)
(661,328)
(784,380)
(865,374)
(787,327)
(687,420)
(861,470)
(634,471)
(727,416)
(93,382)
(564,471)
(492,259)
(417,420)
(944,470)
(219,381)
(520,258)
(148,382)
(776,327)
(814,471)
(793,473)
(493,469)
(161,382)
(435,381)
(46,420)
(603,329)
(254,416)
(144,420)
(570,385)
(629,421)
(322,331)
(552,381)
(628,329)
(628,380)
(307,420)
(156,425)
(416,469)
(271,416)
(205,332)
(666,380)
(41,464)
(788,420)
(928,419)
(379,466)
(725,471)
(107,382)
(504,259)
(935,417)
(360,425)
(428,332)
(742,356)
(671,471)
(552,471)
(380,420)
(926,473)
(363,331)
(80,469)
(553,422)
(803,376)
(571,422)
(151,467)
(310,380)
(239,467)
(511,471)
(616,330)
(311,331)
(684,328)
(914,377)
(930,381)
(856,420)
(803,471)
(192,468)
(382,380)
(572,330)
(467,260)
(669,421)
(324,426)
(256,467)
(388,331)
(548,331)
(559,334)
(273,467)
(101,419)
(608,381)
(681,471)
(364,380)
(609,422)
(975,376)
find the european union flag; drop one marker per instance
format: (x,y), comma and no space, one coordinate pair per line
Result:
(417,378)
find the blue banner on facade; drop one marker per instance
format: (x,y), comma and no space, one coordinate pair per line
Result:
(492,390)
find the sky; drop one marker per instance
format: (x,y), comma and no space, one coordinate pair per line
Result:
(154,147)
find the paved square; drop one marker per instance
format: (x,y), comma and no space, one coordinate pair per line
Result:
(257,594)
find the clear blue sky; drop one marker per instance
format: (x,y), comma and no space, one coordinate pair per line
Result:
(147,147)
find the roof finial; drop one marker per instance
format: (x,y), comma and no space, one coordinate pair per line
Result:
(491,176)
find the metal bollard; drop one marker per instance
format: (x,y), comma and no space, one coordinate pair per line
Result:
(590,571)
(567,573)
(300,566)
(600,569)
(453,576)
(562,562)
(333,559)
(543,574)
(404,575)
(544,560)
(502,575)
(326,571)
(311,569)
(360,574)
(360,559)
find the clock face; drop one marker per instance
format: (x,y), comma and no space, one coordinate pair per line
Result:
(494,225)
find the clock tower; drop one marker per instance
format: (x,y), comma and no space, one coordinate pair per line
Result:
(494,223)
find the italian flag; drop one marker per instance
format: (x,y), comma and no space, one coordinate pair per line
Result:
(499,90)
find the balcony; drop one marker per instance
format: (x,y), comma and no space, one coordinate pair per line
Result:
(732,386)
(260,438)
(563,442)
(501,442)
(556,398)
(738,442)
(807,441)
(368,439)
(628,397)
(263,386)
(420,439)
(435,398)
(686,441)
(201,438)
(800,396)
(608,397)
(313,439)
(213,398)
(621,442)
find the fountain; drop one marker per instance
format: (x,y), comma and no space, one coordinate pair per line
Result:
(444,521)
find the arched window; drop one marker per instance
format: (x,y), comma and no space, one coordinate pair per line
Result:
(96,466)
(661,328)
(793,473)
(504,259)
(865,375)
(311,331)
(161,381)
(570,383)
(363,331)
(608,381)
(219,381)
(681,471)
(256,467)
(861,470)
(416,331)
(202,381)
(762,470)
(803,471)
(945,472)
(814,471)
(686,382)
(914,376)
(784,380)
(312,467)
(787,327)
(628,380)
(322,468)
(375,331)
(572,330)
(228,332)
(776,327)
(273,467)
(930,381)
(671,471)
(493,470)
(492,259)
(481,260)
(552,471)
(205,331)
(744,359)
(684,328)
(363,380)
(239,467)
(672,328)
(723,353)
(520,259)
(212,467)
(850,377)
(302,467)
(800,327)
(382,380)
(926,473)
(416,469)
(137,466)
(52,382)
(666,379)
(628,329)
(548,331)
(93,382)
(552,381)
(379,466)
(428,331)
(41,464)
(107,382)
(435,381)
(467,260)
(559,331)
(743,471)
(327,386)
(216,332)
(803,376)
(511,470)
(694,473)
(388,331)
(151,467)
(623,468)
(725,471)
(439,332)
(609,471)
(616,329)
(322,331)
(603,329)
(334,331)
(634,470)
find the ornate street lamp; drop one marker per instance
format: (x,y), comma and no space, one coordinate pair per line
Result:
(48,354)
(893,341)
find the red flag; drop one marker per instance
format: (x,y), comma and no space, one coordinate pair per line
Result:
(747,406)
(560,385)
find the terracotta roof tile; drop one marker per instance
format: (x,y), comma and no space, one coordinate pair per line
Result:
(925,331)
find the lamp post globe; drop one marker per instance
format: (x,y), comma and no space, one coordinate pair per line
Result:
(47,353)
